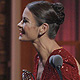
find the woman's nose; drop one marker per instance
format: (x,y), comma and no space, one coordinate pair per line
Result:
(20,24)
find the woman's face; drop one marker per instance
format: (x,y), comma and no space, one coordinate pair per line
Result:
(27,27)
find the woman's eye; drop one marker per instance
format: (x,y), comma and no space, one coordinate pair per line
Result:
(24,21)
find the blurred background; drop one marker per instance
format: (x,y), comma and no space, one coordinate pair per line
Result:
(15,55)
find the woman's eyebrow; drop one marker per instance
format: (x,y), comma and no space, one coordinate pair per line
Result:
(25,18)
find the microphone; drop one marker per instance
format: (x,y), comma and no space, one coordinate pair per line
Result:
(56,61)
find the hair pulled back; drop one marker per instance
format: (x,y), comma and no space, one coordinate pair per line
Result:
(50,13)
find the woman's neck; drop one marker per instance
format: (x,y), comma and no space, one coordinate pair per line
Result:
(45,47)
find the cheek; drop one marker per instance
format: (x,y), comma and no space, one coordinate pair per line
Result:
(31,32)
(26,28)
(35,30)
(30,29)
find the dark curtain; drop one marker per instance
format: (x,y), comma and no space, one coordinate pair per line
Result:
(70,29)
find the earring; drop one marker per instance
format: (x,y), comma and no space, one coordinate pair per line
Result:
(40,33)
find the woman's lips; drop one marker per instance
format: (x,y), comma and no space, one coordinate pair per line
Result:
(21,34)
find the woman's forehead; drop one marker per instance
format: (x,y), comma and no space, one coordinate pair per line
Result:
(28,15)
(26,12)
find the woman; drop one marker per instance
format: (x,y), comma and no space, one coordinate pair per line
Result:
(40,23)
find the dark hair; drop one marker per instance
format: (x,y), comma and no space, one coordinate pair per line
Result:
(46,12)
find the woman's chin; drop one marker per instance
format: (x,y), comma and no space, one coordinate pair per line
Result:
(22,38)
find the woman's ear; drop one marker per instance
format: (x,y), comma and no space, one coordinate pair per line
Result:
(43,28)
